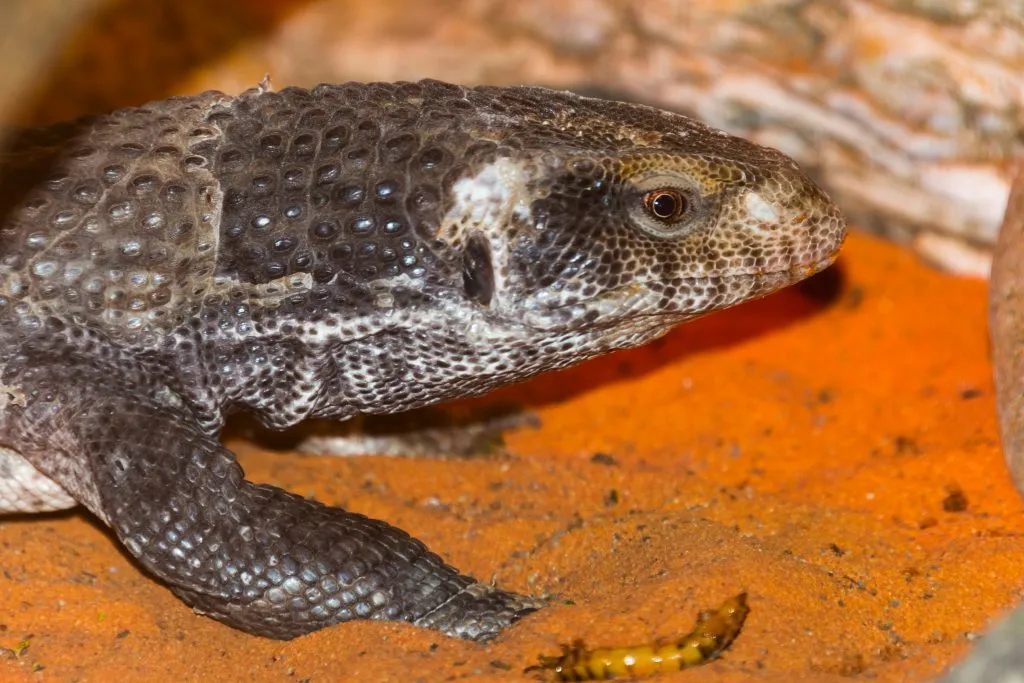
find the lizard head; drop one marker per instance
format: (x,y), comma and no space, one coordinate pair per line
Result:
(614,221)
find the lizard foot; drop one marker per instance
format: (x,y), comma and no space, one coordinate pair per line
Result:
(253,556)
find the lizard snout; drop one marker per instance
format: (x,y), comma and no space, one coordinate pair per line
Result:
(819,230)
(798,219)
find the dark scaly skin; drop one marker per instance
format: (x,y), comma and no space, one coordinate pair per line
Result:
(347,250)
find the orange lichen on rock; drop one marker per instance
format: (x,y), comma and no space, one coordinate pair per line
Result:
(832,450)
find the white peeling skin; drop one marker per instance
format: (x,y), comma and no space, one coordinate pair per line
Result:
(487,196)
(759,209)
(23,488)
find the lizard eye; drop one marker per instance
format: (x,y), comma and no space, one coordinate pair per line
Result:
(666,205)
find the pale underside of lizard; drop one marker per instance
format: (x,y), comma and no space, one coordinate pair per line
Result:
(347,250)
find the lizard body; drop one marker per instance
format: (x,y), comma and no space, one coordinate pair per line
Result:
(345,250)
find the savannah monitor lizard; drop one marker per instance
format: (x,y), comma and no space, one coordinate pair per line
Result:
(345,250)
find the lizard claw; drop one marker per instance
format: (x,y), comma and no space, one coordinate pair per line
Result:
(480,611)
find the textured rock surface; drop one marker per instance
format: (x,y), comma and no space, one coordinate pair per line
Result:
(999,657)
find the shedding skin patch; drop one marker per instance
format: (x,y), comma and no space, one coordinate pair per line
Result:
(760,209)
(499,188)
(23,488)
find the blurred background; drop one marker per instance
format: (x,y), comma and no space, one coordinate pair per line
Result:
(908,111)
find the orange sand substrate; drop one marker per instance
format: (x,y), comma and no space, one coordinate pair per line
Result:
(839,462)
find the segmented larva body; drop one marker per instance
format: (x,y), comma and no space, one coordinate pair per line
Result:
(711,635)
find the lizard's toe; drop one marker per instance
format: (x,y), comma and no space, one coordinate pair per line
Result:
(479,612)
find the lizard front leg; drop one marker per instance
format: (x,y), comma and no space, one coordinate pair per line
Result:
(253,556)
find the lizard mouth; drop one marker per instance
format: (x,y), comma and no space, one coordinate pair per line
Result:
(637,301)
(807,269)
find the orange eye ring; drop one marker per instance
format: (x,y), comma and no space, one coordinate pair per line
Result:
(666,205)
